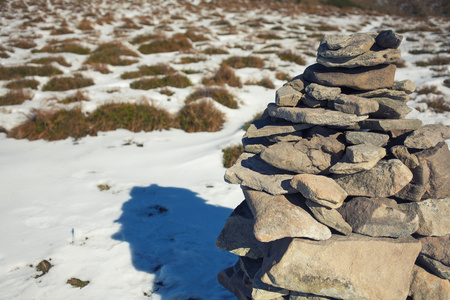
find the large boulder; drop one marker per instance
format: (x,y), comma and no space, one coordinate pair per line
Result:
(426,286)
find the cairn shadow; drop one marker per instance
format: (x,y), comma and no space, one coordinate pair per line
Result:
(172,233)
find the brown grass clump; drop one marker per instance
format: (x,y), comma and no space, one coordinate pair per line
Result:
(220,95)
(16,97)
(177,80)
(67,83)
(60,31)
(265,82)
(282,76)
(401,63)
(269,36)
(145,37)
(428,89)
(23,43)
(290,56)
(176,43)
(52,125)
(438,104)
(231,155)
(86,25)
(224,75)
(23,83)
(49,59)
(7,73)
(435,61)
(191,59)
(200,116)
(213,51)
(77,97)
(70,47)
(158,69)
(194,37)
(111,53)
(238,62)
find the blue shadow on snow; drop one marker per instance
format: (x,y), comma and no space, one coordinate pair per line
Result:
(172,233)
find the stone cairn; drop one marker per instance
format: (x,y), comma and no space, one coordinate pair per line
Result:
(345,198)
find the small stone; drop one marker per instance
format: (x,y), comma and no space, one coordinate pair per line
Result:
(314,116)
(359,44)
(263,291)
(364,137)
(367,59)
(402,153)
(255,145)
(434,267)
(304,296)
(311,102)
(390,125)
(388,39)
(390,109)
(437,248)
(385,179)
(286,137)
(281,216)
(287,96)
(427,136)
(360,78)
(378,217)
(329,217)
(251,171)
(298,83)
(406,86)
(343,267)
(425,286)
(275,129)
(355,105)
(234,280)
(320,92)
(358,158)
(250,266)
(433,216)
(335,42)
(386,93)
(320,189)
(237,235)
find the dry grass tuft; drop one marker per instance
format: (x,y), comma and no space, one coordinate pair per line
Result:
(238,62)
(220,95)
(177,80)
(16,97)
(67,83)
(438,104)
(290,56)
(435,61)
(70,47)
(176,43)
(77,97)
(49,59)
(190,59)
(231,155)
(200,116)
(145,37)
(7,73)
(86,25)
(269,36)
(265,82)
(194,37)
(23,83)
(282,76)
(111,53)
(213,51)
(428,89)
(60,31)
(23,43)
(224,75)
(158,69)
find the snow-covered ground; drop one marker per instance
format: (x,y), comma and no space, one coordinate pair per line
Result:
(152,234)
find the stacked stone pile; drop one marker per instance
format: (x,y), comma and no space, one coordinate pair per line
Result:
(345,198)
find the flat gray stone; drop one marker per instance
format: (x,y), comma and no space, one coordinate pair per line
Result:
(234,280)
(386,93)
(433,216)
(364,137)
(314,116)
(311,102)
(390,109)
(359,106)
(282,216)
(367,59)
(390,125)
(359,158)
(298,83)
(406,86)
(360,78)
(335,42)
(426,286)
(378,217)
(237,234)
(427,136)
(321,92)
(251,171)
(275,129)
(358,44)
(263,291)
(255,145)
(329,217)
(437,248)
(385,179)
(286,137)
(388,39)
(434,266)
(343,267)
(402,153)
(320,189)
(287,96)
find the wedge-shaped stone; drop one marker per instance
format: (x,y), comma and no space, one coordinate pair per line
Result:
(433,216)
(335,42)
(251,171)
(405,85)
(386,93)
(263,291)
(274,129)
(287,96)
(385,179)
(431,178)
(379,217)
(314,116)
(428,136)
(234,280)
(321,92)
(320,189)
(426,286)
(390,109)
(358,158)
(343,267)
(437,247)
(364,137)
(359,106)
(360,78)
(330,217)
(281,216)
(402,153)
(390,125)
(298,83)
(358,44)
(367,59)
(388,39)
(255,145)
(310,155)
(237,235)
(434,266)
(304,296)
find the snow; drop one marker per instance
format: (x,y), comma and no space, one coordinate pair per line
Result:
(152,234)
